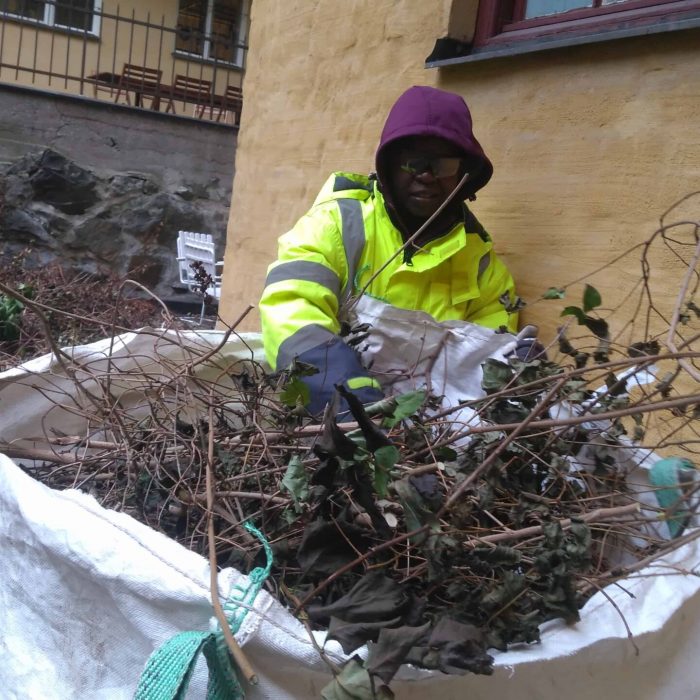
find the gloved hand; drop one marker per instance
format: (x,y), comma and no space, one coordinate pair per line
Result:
(527,347)
(337,363)
(530,349)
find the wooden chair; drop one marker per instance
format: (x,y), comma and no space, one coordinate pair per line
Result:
(188,89)
(233,102)
(103,82)
(143,82)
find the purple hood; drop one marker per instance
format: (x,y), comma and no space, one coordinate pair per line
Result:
(427,111)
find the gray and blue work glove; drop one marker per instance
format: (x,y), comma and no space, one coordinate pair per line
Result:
(337,364)
(527,347)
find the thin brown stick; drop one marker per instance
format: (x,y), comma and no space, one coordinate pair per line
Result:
(610,600)
(17,452)
(600,515)
(202,498)
(670,339)
(239,656)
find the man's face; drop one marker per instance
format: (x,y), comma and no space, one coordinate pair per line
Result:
(424,171)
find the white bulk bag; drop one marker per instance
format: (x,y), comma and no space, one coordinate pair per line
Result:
(87,594)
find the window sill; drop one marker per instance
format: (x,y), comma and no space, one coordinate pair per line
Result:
(194,58)
(57,28)
(516,48)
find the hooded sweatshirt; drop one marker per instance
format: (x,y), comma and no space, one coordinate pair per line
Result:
(428,111)
(347,244)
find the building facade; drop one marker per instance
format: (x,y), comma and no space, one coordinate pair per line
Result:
(179,56)
(588,110)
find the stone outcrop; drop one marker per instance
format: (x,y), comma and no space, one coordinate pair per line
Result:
(124,223)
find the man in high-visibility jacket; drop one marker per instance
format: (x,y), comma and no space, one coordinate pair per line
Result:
(341,246)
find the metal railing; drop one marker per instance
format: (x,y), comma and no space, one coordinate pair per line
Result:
(67,46)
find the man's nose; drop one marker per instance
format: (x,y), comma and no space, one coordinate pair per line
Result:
(425,175)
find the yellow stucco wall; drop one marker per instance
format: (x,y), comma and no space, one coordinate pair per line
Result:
(590,144)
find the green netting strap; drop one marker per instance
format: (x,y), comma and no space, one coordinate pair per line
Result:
(169,668)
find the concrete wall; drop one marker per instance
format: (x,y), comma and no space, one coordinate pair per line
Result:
(107,136)
(591,144)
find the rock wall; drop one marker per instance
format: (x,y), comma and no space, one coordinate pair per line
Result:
(104,188)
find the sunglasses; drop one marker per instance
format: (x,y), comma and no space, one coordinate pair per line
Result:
(441,166)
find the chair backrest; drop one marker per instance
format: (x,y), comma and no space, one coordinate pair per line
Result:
(196,247)
(133,74)
(191,87)
(233,97)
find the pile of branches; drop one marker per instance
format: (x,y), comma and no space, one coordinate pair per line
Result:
(393,525)
(70,308)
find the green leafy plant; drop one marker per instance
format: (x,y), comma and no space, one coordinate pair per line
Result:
(591,300)
(11,312)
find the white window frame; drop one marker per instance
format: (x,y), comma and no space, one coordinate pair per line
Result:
(240,39)
(49,18)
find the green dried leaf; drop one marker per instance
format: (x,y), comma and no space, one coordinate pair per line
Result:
(324,549)
(615,386)
(511,585)
(578,545)
(454,647)
(554,293)
(591,298)
(499,555)
(507,411)
(295,393)
(597,326)
(373,598)
(296,480)
(446,454)
(333,441)
(496,375)
(642,348)
(353,635)
(665,385)
(511,305)
(387,655)
(354,683)
(575,389)
(415,511)
(406,406)
(580,359)
(373,435)
(575,311)
(385,459)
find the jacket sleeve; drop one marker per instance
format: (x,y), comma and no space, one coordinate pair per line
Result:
(488,309)
(299,308)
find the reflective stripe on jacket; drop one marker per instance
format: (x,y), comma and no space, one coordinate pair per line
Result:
(342,241)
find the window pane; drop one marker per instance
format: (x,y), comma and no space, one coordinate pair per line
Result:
(224,29)
(190,26)
(32,9)
(74,13)
(539,8)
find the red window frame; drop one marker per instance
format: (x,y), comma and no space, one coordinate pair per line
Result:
(502,21)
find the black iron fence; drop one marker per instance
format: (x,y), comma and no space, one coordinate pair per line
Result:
(70,46)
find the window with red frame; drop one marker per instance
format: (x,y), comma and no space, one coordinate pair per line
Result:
(509,21)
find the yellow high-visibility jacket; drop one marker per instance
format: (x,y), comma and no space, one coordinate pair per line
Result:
(342,241)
